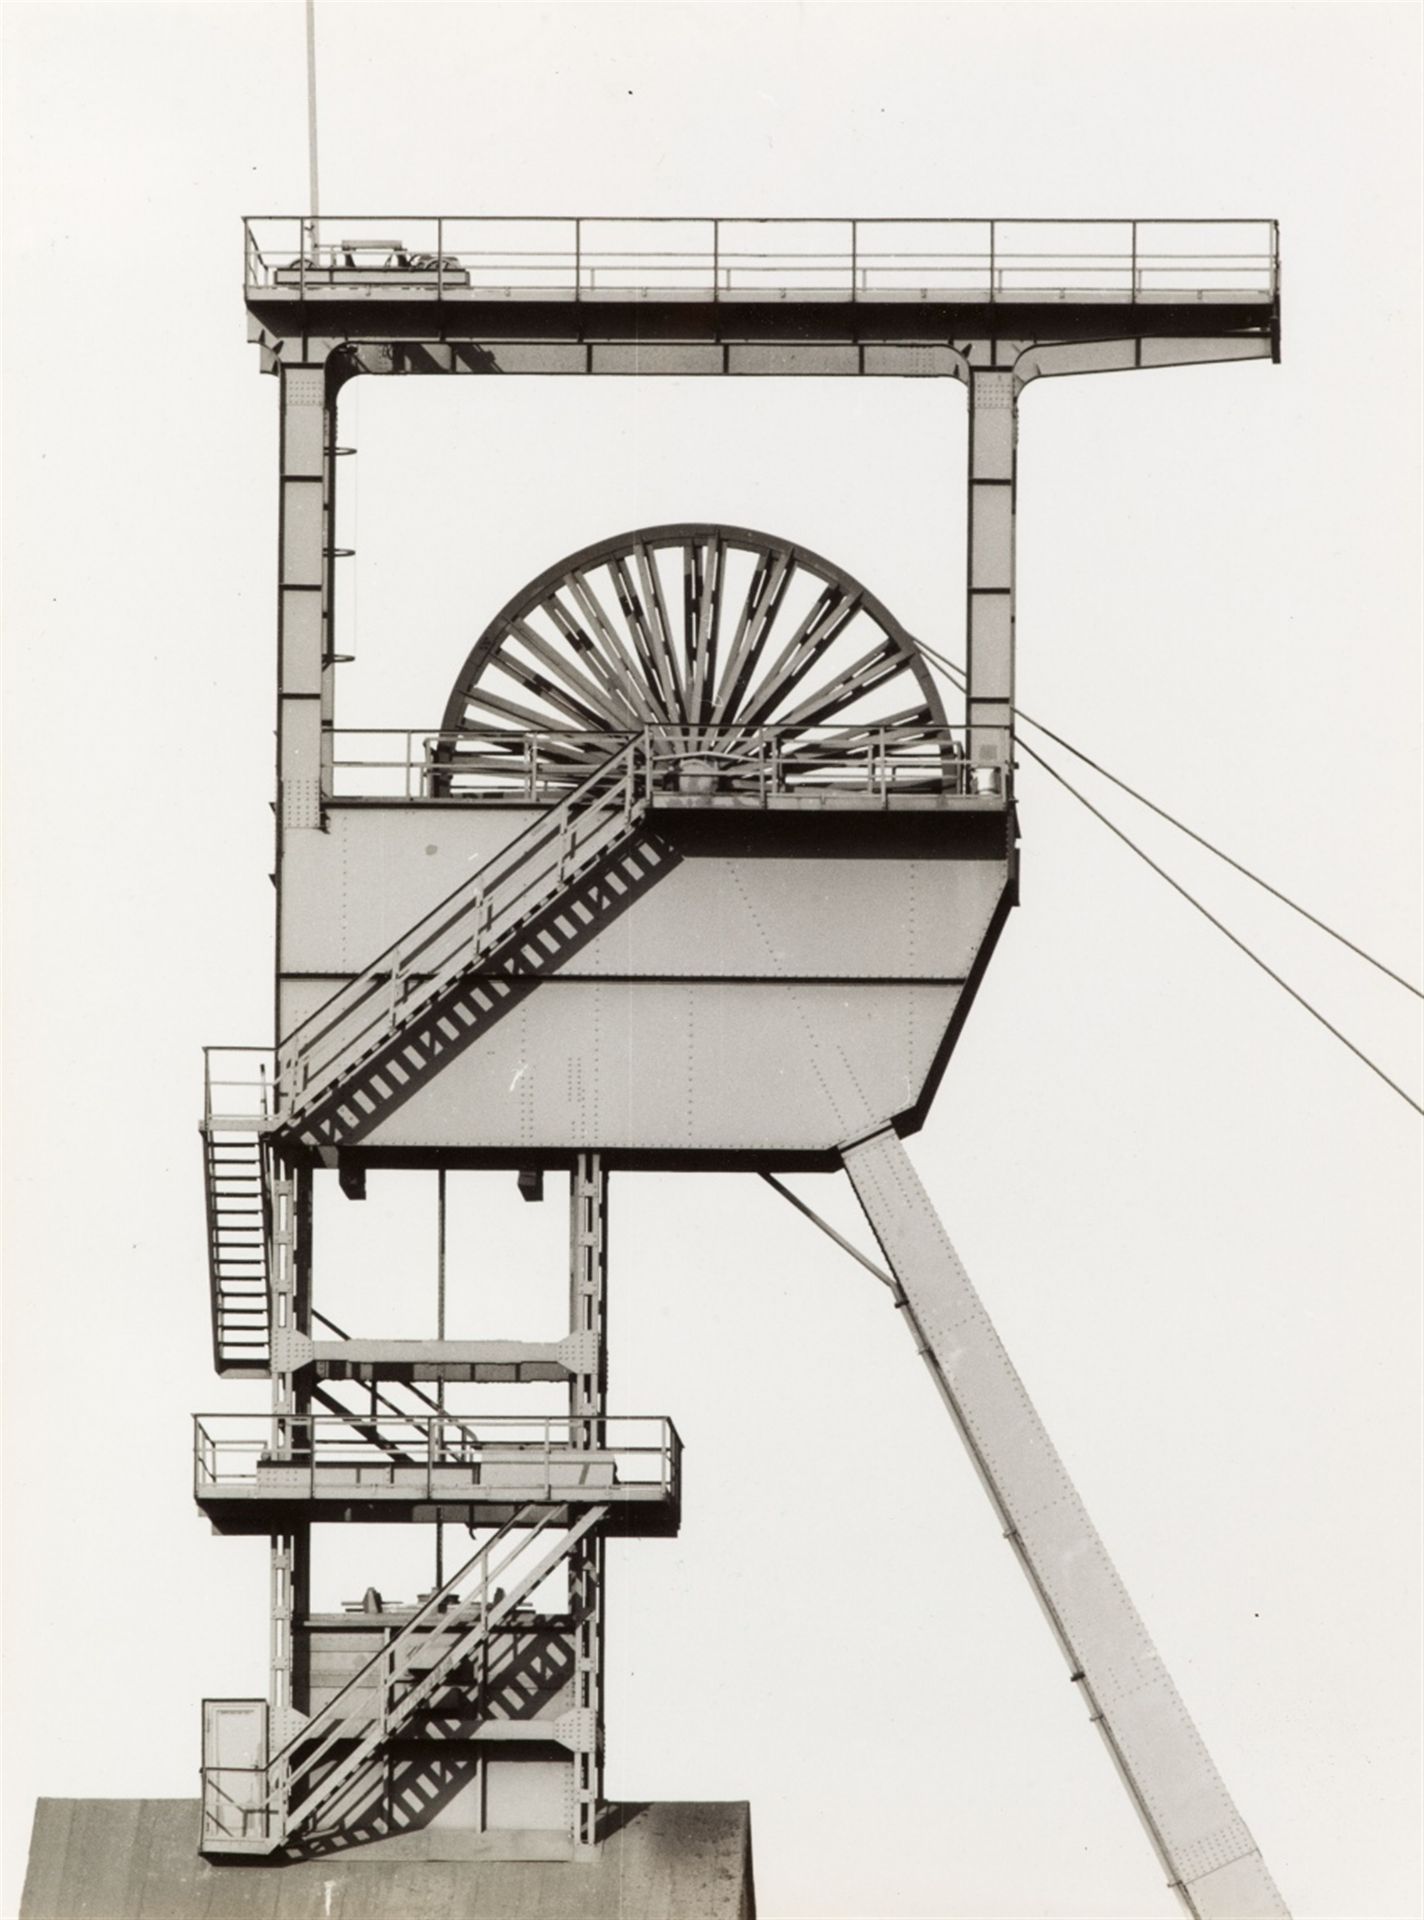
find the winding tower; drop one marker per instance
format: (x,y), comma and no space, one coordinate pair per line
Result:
(696,871)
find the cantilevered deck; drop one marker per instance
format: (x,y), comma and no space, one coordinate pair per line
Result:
(253,1473)
(701,296)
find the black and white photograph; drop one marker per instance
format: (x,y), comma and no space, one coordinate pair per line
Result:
(713,953)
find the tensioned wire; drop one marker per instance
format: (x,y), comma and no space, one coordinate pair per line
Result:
(951,669)
(955,675)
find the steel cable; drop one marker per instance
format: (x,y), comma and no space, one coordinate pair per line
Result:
(950,669)
(956,674)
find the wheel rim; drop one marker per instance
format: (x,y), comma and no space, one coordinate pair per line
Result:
(700,635)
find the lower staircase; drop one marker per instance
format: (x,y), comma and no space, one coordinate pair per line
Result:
(301,1791)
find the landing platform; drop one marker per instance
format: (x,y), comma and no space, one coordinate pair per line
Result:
(421,1468)
(138,1860)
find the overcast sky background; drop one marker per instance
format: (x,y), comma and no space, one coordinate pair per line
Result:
(1192,1214)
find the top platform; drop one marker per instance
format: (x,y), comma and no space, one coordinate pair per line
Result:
(666,261)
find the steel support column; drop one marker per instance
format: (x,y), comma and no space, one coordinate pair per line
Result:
(588,1391)
(308,431)
(290,1564)
(1211,1860)
(288,1228)
(993,435)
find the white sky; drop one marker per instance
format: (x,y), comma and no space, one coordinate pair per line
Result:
(1192,1214)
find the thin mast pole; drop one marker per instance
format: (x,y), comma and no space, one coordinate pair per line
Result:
(313,186)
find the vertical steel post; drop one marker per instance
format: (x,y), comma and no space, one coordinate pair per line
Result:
(283,1722)
(288,1229)
(588,1390)
(989,619)
(440,1218)
(308,463)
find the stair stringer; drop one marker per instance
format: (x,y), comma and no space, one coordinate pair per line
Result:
(464,964)
(492,985)
(356,1742)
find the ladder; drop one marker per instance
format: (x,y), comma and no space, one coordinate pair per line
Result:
(314,1773)
(382,1033)
(235,1188)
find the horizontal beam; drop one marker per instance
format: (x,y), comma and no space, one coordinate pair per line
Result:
(489,1360)
(634,1512)
(924,340)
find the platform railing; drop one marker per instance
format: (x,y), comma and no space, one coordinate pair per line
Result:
(759,763)
(239,1086)
(599,258)
(314,1454)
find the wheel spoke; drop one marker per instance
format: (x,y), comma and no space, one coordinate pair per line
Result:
(656,666)
(872,670)
(911,721)
(641,698)
(661,631)
(506,709)
(773,644)
(616,710)
(702,567)
(769,584)
(833,611)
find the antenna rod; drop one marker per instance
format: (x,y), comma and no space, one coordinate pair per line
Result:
(311,115)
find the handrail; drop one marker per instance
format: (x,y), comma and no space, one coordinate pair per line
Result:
(537,764)
(522,1520)
(257,1077)
(486,1436)
(434,1676)
(289,1775)
(469,1424)
(441,254)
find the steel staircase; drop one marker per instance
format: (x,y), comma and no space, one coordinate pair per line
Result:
(314,1773)
(235,1186)
(379,1036)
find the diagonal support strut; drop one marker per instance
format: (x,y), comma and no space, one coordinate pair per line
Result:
(1212,1862)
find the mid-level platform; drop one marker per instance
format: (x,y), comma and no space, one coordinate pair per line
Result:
(256,1473)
